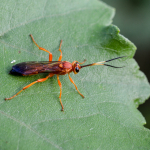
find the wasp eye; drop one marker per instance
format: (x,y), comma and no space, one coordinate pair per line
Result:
(77,69)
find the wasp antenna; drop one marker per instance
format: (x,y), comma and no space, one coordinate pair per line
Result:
(115,58)
(103,63)
(113,66)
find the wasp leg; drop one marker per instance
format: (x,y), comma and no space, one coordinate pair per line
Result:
(74,84)
(60,57)
(39,80)
(59,83)
(43,49)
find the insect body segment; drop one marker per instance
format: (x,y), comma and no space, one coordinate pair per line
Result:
(52,67)
(35,67)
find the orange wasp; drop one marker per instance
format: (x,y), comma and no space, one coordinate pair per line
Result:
(52,67)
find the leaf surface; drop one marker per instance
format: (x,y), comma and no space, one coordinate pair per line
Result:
(107,118)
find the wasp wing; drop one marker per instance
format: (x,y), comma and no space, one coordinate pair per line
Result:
(35,67)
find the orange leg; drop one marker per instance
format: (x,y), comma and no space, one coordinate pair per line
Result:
(60,57)
(74,84)
(39,80)
(59,83)
(43,49)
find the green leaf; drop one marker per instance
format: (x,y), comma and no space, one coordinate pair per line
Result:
(107,118)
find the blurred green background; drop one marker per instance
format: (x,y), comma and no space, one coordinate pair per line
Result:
(133,19)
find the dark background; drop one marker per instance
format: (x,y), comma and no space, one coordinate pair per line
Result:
(133,19)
